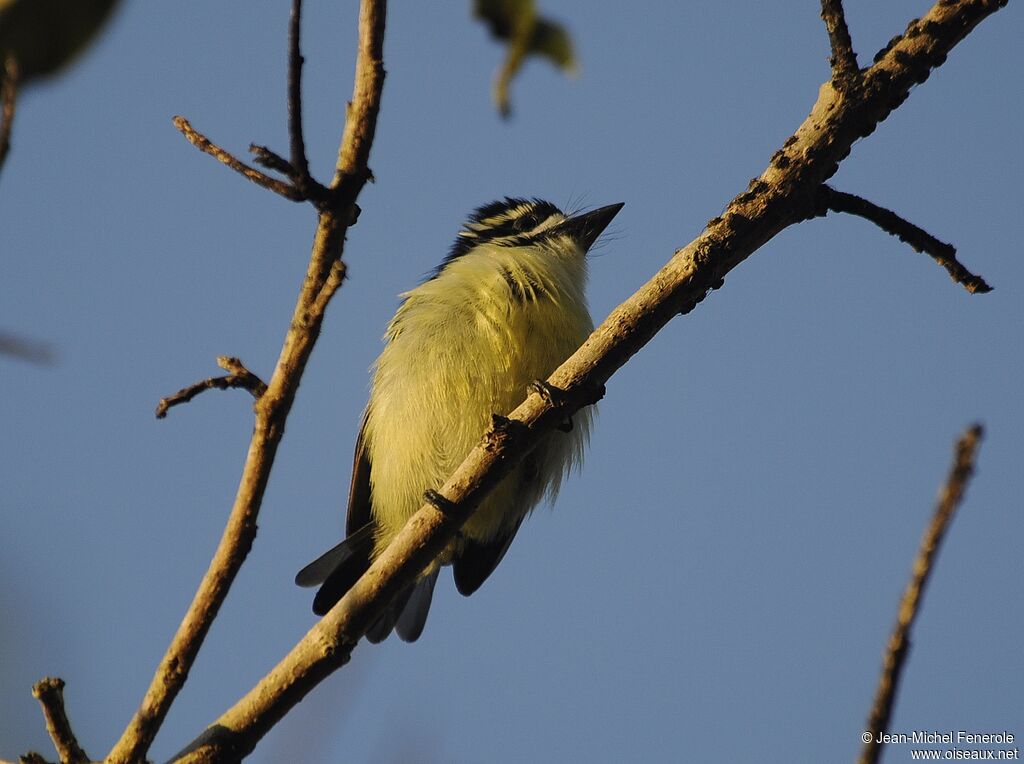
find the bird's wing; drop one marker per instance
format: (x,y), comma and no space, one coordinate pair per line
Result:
(359,513)
(340,567)
(356,546)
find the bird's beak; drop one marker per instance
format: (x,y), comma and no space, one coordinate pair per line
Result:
(587,227)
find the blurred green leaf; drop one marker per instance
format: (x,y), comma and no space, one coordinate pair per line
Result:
(516,22)
(46,35)
(553,42)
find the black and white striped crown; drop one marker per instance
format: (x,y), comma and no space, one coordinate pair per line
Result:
(510,222)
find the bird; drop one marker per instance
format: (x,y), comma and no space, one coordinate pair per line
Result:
(501,312)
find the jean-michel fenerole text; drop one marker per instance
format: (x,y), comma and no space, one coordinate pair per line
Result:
(949,737)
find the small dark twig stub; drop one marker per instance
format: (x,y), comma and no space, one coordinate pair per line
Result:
(919,239)
(32,758)
(271,159)
(899,641)
(50,694)
(240,377)
(843,60)
(9,94)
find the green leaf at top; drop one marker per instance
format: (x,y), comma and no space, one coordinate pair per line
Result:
(527,34)
(46,35)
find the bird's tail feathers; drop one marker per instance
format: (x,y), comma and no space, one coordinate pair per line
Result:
(414,615)
(358,546)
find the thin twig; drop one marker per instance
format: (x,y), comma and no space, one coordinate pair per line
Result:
(324,274)
(271,159)
(240,378)
(204,144)
(899,641)
(9,93)
(814,153)
(843,60)
(919,239)
(299,163)
(50,694)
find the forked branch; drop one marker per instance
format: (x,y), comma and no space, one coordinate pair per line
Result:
(239,378)
(324,275)
(207,146)
(301,186)
(786,193)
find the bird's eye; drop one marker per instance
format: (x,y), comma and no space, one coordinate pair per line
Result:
(527,222)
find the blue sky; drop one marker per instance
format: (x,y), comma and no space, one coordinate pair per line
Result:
(717,584)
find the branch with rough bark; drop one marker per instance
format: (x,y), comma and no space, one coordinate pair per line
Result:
(324,275)
(50,694)
(239,378)
(845,71)
(789,191)
(950,496)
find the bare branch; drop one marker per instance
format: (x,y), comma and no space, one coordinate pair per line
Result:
(324,275)
(9,94)
(299,163)
(843,61)
(204,144)
(240,377)
(784,194)
(303,186)
(50,694)
(361,121)
(919,239)
(899,642)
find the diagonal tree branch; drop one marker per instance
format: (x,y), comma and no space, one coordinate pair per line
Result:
(899,641)
(919,239)
(786,193)
(324,276)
